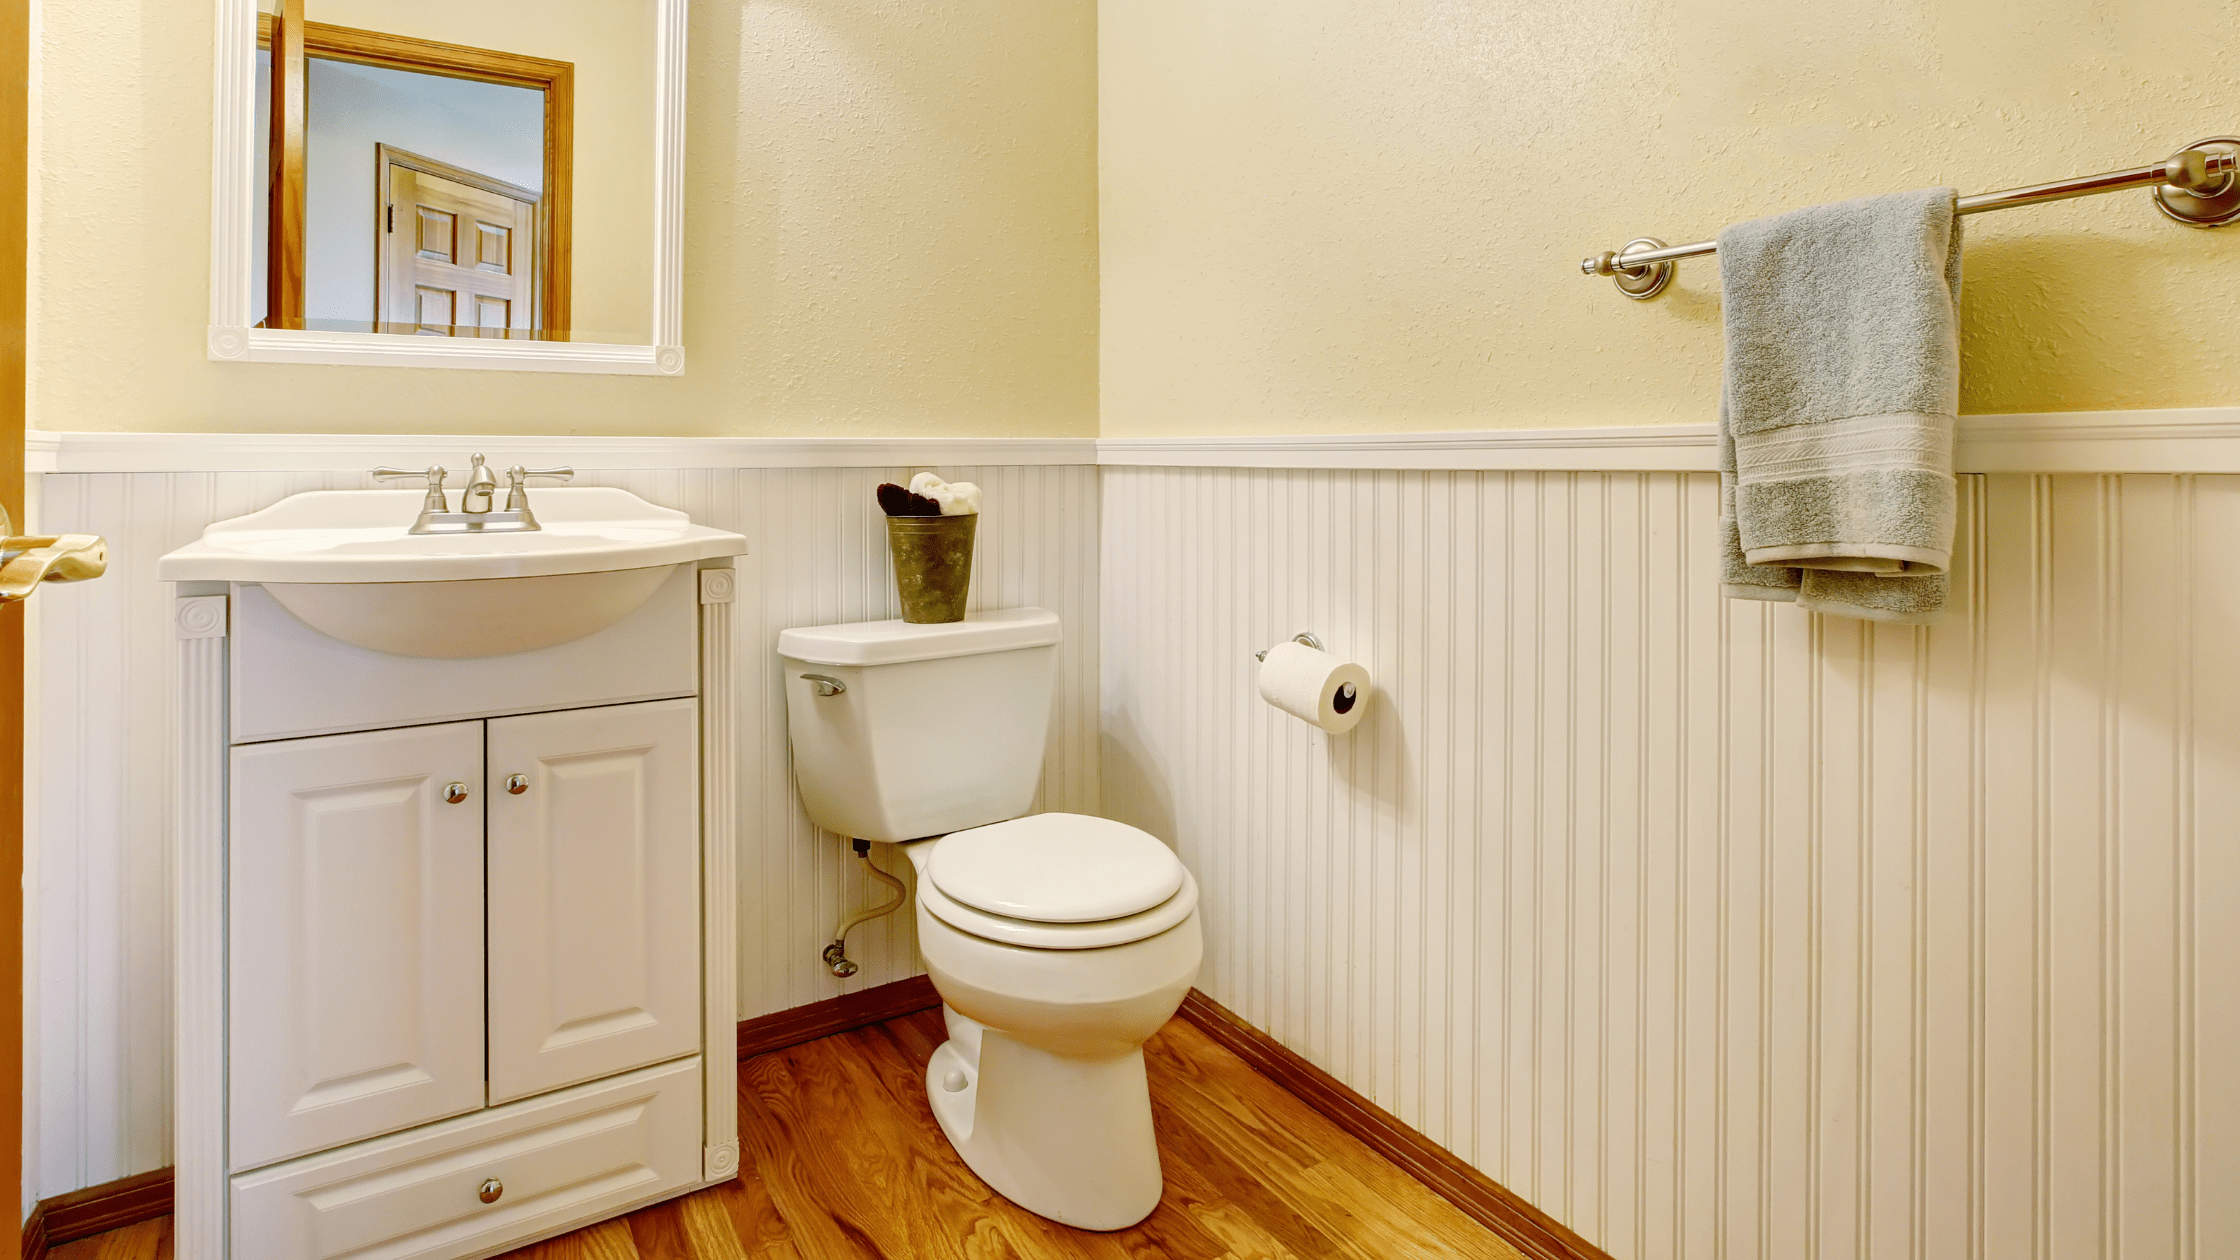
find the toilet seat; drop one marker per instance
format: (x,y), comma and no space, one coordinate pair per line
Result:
(1030,935)
(1056,881)
(1056,868)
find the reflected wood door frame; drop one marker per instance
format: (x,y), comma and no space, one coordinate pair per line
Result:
(387,156)
(556,79)
(284,35)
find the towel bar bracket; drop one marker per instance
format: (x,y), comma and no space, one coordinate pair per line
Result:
(1641,281)
(2203,188)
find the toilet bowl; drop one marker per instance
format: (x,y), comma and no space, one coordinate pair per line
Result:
(1059,942)
(1041,1085)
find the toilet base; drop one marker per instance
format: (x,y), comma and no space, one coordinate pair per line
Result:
(1065,1138)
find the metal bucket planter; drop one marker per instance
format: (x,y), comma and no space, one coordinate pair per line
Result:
(932,564)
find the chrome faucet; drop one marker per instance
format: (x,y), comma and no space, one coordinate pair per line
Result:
(482,489)
(475,514)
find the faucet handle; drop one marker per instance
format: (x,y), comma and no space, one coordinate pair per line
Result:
(517,490)
(434,473)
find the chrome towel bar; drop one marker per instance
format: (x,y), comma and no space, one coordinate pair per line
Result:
(2198,186)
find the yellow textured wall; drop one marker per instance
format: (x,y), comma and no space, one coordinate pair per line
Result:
(1333,215)
(890,228)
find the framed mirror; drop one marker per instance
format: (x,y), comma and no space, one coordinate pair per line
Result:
(449,183)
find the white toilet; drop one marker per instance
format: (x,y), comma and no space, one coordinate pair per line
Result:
(1058,942)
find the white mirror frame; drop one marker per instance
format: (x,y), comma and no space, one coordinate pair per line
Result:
(234,212)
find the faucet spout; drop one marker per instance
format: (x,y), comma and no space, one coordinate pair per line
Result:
(482,487)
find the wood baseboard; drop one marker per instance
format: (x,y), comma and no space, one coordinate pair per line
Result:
(95,1210)
(1483,1199)
(846,1013)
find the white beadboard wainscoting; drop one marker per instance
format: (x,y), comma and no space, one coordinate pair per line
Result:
(101,788)
(1718,929)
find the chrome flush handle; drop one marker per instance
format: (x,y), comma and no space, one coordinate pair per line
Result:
(824,684)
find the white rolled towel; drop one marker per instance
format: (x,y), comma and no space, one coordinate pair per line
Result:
(957,498)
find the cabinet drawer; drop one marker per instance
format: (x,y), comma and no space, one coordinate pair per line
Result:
(561,1159)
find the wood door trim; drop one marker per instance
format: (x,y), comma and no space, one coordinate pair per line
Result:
(1486,1201)
(284,155)
(385,154)
(556,79)
(782,1030)
(96,1210)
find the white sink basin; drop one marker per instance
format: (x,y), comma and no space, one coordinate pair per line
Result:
(345,564)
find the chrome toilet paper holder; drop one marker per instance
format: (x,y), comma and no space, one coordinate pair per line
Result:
(1304,636)
(1346,696)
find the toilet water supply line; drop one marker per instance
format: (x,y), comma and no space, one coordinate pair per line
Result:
(836,954)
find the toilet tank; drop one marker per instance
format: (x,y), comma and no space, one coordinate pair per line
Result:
(934,728)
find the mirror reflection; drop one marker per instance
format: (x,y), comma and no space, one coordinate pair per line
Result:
(456,170)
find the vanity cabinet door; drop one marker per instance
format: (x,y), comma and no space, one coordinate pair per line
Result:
(355,937)
(594,893)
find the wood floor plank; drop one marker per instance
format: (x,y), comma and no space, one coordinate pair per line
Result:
(791,1147)
(843,1160)
(952,1213)
(1356,1196)
(658,1232)
(756,1222)
(607,1240)
(708,1232)
(896,1059)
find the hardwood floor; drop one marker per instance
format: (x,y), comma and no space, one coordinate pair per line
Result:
(843,1161)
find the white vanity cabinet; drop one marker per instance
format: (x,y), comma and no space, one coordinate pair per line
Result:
(455,940)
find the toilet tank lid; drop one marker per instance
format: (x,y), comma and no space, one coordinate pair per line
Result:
(894,642)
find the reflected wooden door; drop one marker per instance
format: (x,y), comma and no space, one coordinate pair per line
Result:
(458,251)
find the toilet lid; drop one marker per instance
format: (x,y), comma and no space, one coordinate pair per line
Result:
(1055,868)
(1125,930)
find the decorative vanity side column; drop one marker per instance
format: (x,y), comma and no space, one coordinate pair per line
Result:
(199,817)
(719,838)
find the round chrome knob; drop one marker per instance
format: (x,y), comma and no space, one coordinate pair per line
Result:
(516,784)
(491,1189)
(454,792)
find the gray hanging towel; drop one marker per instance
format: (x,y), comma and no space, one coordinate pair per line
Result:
(1842,388)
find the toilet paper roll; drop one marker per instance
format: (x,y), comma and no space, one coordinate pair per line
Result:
(1314,686)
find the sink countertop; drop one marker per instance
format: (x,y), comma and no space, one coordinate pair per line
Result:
(361,536)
